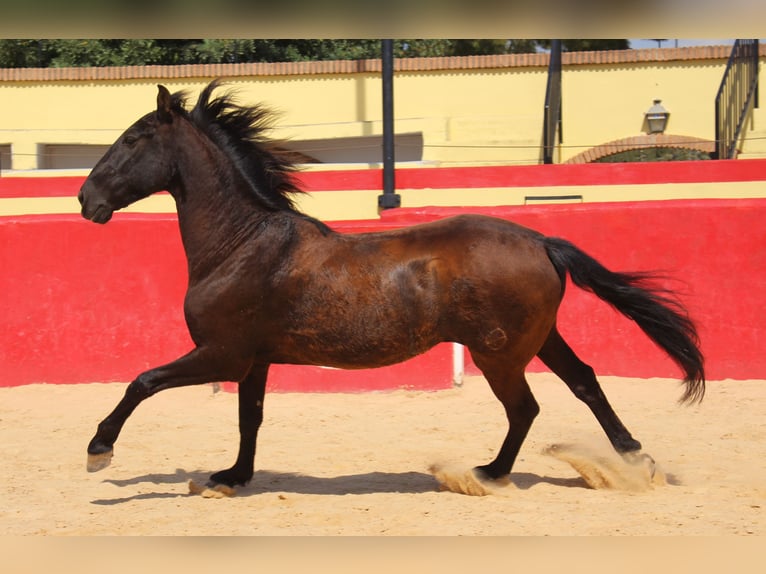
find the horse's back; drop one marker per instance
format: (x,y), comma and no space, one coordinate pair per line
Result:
(456,226)
(469,246)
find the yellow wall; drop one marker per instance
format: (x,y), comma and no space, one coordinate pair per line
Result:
(456,112)
(467,116)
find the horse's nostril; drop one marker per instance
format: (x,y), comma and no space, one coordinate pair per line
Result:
(80,197)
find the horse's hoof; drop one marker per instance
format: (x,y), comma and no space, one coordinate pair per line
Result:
(99,461)
(638,458)
(649,466)
(229,478)
(473,482)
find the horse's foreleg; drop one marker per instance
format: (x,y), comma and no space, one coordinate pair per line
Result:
(521,408)
(251,394)
(581,380)
(195,368)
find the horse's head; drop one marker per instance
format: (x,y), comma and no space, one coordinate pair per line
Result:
(138,164)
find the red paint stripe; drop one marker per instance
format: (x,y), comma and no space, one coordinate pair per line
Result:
(543,175)
(468,177)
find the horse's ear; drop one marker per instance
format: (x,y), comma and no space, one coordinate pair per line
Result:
(164,104)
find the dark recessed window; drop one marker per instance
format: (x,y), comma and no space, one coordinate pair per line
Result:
(5,156)
(70,156)
(363,149)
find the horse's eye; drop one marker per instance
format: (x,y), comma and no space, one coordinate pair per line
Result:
(129,139)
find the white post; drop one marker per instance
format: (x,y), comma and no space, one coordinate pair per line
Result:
(458,364)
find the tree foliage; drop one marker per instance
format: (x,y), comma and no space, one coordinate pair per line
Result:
(655,154)
(126,52)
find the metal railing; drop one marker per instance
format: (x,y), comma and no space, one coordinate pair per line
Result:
(552,118)
(737,94)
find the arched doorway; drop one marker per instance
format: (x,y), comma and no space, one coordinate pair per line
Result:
(652,147)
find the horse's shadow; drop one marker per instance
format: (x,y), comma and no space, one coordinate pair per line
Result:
(265,481)
(526,480)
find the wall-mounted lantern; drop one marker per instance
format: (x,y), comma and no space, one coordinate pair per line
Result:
(656,118)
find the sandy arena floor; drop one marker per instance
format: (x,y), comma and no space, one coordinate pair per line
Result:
(358,464)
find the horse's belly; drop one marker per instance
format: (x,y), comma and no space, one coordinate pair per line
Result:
(355,348)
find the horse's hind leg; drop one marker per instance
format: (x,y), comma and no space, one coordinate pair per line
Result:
(252,390)
(581,379)
(511,388)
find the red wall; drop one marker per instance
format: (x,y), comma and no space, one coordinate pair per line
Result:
(84,303)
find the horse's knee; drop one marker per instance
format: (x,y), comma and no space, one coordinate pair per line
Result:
(142,386)
(582,392)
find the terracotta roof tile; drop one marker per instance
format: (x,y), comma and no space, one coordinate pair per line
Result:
(364,66)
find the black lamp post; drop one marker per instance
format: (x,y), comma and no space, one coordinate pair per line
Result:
(389,198)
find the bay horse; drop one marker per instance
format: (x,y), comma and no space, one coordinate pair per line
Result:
(268,284)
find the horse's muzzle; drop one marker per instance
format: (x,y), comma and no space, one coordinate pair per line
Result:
(95,211)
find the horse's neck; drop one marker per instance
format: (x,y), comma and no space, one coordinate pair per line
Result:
(215,214)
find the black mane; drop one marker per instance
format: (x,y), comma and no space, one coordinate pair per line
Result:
(240,132)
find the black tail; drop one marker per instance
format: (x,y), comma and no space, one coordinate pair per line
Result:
(654,310)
